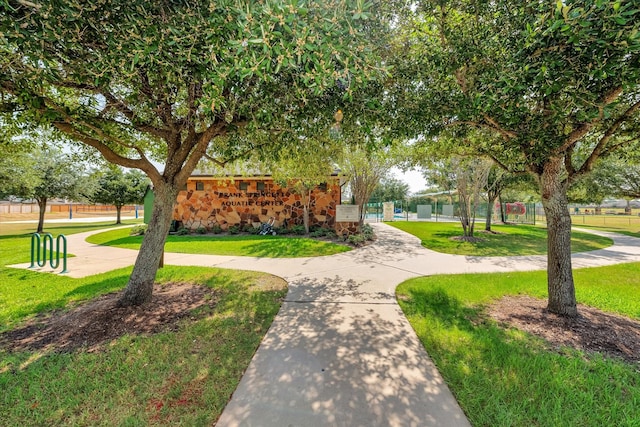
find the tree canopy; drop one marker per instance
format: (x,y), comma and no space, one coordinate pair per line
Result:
(555,84)
(173,82)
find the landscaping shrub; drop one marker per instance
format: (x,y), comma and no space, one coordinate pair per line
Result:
(367,232)
(249,228)
(201,230)
(183,231)
(356,239)
(234,229)
(330,234)
(317,233)
(216,229)
(298,229)
(138,230)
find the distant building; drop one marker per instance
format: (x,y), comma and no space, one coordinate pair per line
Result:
(209,201)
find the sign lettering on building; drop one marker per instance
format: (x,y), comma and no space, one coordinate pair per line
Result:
(260,198)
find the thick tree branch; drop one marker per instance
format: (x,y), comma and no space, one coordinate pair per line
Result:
(507,134)
(613,147)
(214,160)
(584,128)
(143,163)
(490,124)
(164,107)
(195,93)
(587,166)
(501,164)
(98,131)
(131,116)
(568,161)
(200,149)
(79,86)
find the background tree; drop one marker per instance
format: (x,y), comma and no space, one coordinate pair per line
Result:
(303,169)
(43,174)
(440,175)
(627,185)
(148,83)
(471,179)
(593,188)
(390,189)
(115,187)
(17,176)
(615,176)
(364,169)
(498,181)
(548,81)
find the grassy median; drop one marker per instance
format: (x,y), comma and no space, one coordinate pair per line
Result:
(506,240)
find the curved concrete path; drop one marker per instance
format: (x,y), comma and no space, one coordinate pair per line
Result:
(340,352)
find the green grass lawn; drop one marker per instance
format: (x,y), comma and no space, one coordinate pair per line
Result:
(15,239)
(252,245)
(627,229)
(623,224)
(17,229)
(181,377)
(509,240)
(505,377)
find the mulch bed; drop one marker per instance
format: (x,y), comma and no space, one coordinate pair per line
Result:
(592,331)
(92,324)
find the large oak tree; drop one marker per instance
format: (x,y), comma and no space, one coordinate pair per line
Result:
(170,82)
(556,82)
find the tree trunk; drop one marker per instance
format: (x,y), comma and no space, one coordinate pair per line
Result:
(465,214)
(562,295)
(487,223)
(42,206)
(305,210)
(118,210)
(140,287)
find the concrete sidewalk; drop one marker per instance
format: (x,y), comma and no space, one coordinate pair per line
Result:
(340,352)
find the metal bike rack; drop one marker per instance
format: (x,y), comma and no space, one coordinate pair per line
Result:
(38,241)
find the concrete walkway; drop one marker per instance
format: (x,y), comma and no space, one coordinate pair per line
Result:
(340,352)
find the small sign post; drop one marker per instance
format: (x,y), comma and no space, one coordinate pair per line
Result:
(388,211)
(347,213)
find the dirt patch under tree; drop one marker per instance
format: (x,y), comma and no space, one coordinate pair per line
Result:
(92,324)
(593,330)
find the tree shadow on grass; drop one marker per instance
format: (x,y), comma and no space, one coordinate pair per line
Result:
(502,376)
